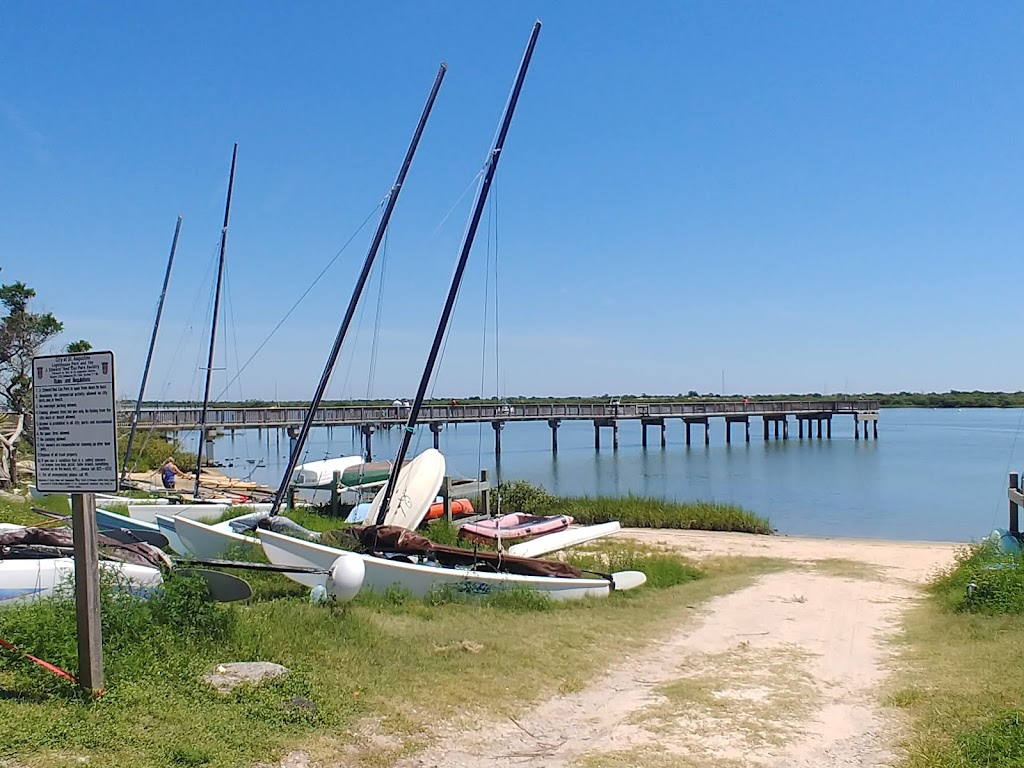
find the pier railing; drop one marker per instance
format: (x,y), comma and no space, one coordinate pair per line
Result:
(180,419)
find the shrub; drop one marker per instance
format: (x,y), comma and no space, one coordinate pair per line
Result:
(982,579)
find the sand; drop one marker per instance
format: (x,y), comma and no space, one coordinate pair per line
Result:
(784,673)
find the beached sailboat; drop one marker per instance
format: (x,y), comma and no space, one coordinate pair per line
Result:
(396,556)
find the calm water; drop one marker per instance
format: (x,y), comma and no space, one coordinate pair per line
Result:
(933,474)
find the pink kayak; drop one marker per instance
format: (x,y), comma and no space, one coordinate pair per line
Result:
(514,526)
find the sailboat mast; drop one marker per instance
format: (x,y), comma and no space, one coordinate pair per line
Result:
(213,324)
(453,290)
(149,355)
(364,275)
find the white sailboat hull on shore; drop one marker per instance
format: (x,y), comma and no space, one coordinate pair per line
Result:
(422,580)
(205,541)
(570,537)
(25,579)
(191,511)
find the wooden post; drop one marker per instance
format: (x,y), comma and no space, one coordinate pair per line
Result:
(764,420)
(819,427)
(485,492)
(874,429)
(776,429)
(687,433)
(446,498)
(335,482)
(615,435)
(856,427)
(1014,509)
(828,427)
(800,427)
(746,426)
(554,424)
(643,433)
(728,432)
(87,592)
(662,433)
(597,437)
(707,431)
(291,497)
(785,428)
(435,429)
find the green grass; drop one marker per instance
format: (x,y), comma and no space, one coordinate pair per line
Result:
(403,663)
(961,680)
(20,513)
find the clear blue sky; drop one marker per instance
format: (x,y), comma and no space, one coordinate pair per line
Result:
(810,196)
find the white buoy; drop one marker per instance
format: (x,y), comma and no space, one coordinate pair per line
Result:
(345,578)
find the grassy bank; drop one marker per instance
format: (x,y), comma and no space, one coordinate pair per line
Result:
(633,511)
(962,682)
(366,680)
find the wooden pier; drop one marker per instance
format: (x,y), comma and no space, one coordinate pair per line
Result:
(775,415)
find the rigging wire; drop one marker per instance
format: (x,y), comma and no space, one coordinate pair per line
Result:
(1009,463)
(483,352)
(306,292)
(371,377)
(178,351)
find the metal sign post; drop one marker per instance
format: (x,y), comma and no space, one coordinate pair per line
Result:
(76,453)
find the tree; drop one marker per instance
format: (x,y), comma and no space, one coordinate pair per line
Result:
(22,335)
(78,346)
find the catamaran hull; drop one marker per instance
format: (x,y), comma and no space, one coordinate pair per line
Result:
(23,580)
(564,539)
(191,511)
(206,541)
(420,580)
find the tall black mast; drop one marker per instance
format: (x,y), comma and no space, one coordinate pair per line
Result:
(364,275)
(149,355)
(213,325)
(467,245)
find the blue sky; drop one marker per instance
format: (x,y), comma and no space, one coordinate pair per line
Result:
(808,196)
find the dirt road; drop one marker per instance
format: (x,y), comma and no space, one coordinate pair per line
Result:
(783,673)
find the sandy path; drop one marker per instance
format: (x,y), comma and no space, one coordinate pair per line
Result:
(782,673)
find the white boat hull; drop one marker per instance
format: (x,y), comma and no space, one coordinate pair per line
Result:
(23,580)
(420,580)
(570,537)
(191,511)
(206,541)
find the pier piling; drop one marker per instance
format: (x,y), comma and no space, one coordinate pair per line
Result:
(293,438)
(645,423)
(497,426)
(435,429)
(554,424)
(367,431)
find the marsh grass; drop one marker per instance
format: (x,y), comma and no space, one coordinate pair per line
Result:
(632,511)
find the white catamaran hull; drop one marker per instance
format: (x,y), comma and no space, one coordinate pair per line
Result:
(205,541)
(420,580)
(570,537)
(24,579)
(191,511)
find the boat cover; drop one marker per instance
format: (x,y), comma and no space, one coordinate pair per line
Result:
(57,542)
